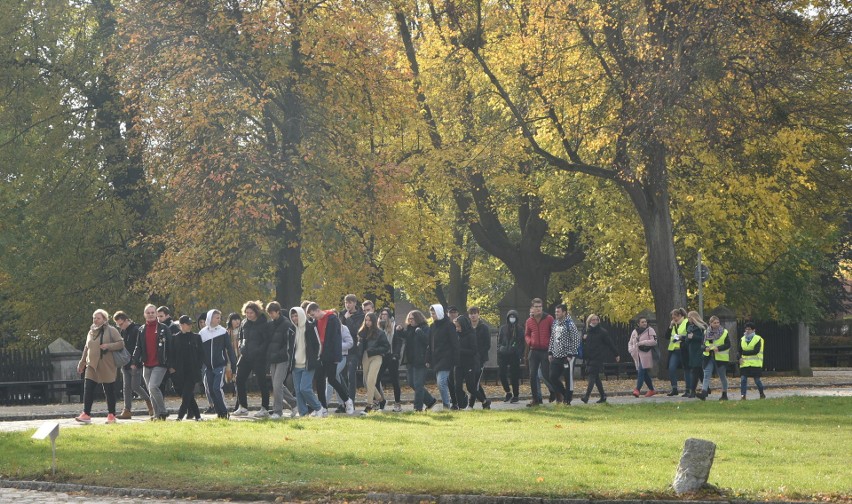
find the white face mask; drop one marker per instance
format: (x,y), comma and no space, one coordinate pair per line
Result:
(512,320)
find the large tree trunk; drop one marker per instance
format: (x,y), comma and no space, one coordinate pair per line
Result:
(289,266)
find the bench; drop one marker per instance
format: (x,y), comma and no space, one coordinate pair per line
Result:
(38,392)
(831,356)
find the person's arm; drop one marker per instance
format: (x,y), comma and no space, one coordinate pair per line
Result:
(724,346)
(229,350)
(346,338)
(633,344)
(608,342)
(381,347)
(81,365)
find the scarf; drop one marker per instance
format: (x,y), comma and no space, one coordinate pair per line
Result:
(713,334)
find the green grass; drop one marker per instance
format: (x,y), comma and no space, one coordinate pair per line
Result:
(793,447)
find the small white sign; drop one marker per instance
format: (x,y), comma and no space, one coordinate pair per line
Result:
(50,429)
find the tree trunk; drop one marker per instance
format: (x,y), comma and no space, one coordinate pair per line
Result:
(289,266)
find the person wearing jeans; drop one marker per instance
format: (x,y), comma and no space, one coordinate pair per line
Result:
(717,346)
(751,360)
(216,353)
(416,338)
(153,346)
(537,336)
(564,346)
(443,352)
(643,339)
(131,378)
(304,361)
(677,335)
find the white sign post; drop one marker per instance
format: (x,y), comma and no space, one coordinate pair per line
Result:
(50,429)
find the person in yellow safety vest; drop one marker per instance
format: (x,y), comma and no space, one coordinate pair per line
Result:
(677,333)
(717,346)
(751,360)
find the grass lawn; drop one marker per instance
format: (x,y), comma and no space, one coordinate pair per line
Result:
(793,447)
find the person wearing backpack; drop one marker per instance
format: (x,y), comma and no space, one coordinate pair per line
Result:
(643,341)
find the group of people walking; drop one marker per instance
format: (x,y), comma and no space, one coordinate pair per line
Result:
(322,350)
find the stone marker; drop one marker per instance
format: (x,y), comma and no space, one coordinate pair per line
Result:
(695,463)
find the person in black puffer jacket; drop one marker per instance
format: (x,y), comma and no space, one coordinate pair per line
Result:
(253,347)
(469,362)
(597,349)
(278,357)
(510,351)
(416,336)
(443,351)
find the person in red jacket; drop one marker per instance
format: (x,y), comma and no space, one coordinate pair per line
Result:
(537,336)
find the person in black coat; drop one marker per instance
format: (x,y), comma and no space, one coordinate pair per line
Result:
(510,352)
(443,351)
(131,378)
(470,370)
(254,343)
(597,349)
(186,361)
(416,336)
(278,357)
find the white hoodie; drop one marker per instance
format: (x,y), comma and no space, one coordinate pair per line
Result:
(208,333)
(301,357)
(439,311)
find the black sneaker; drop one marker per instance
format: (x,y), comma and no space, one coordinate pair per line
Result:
(552,397)
(340,409)
(382,404)
(685,394)
(209,411)
(514,400)
(429,406)
(673,393)
(486,404)
(508,397)
(585,399)
(601,400)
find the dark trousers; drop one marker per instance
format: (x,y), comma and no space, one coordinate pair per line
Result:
(471,378)
(244,368)
(538,359)
(593,372)
(510,371)
(456,382)
(89,396)
(328,371)
(188,404)
(390,365)
(558,371)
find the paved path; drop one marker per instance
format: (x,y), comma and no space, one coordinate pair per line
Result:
(16,496)
(69,422)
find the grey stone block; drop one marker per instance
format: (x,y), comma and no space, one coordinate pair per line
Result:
(695,463)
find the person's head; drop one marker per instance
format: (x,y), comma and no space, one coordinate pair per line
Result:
(234,320)
(252,309)
(561,311)
(750,328)
(294,316)
(462,323)
(150,313)
(100,317)
(642,322)
(452,312)
(592,320)
(185,322)
(415,318)
(201,321)
(536,306)
(715,323)
(696,319)
(371,320)
(350,301)
(369,328)
(368,306)
(163,314)
(314,312)
(214,317)
(384,315)
(304,305)
(678,314)
(121,319)
(273,308)
(473,315)
(436,311)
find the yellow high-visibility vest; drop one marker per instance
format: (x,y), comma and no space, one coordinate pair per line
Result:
(719,355)
(755,360)
(680,330)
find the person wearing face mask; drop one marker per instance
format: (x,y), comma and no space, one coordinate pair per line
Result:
(717,345)
(510,351)
(217,353)
(597,349)
(643,339)
(751,360)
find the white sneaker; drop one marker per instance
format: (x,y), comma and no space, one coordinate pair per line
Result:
(316,414)
(294,413)
(261,413)
(240,412)
(397,408)
(323,413)
(276,416)
(350,407)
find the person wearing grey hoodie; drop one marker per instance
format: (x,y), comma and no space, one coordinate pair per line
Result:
(443,352)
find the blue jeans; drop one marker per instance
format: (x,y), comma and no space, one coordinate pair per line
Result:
(674,365)
(444,387)
(744,384)
(213,379)
(721,368)
(644,376)
(303,382)
(417,379)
